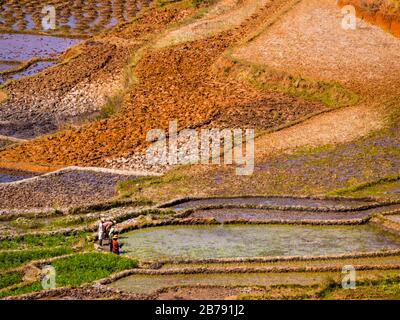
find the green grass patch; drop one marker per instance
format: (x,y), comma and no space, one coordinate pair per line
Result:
(42,241)
(162,3)
(193,3)
(13,259)
(83,268)
(331,94)
(69,221)
(112,106)
(10,278)
(372,187)
(313,150)
(387,288)
(26,223)
(79,269)
(129,188)
(33,287)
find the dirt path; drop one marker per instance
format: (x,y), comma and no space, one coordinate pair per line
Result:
(339,126)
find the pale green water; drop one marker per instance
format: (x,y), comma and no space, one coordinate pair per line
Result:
(219,241)
(146,284)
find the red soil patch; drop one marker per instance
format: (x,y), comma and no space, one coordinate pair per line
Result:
(174,83)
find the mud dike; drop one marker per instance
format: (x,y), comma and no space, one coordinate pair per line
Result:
(226,256)
(184,254)
(75,17)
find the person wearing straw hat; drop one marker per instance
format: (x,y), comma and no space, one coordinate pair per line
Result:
(111,233)
(115,245)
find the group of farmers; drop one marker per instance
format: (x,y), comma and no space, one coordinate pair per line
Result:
(108,230)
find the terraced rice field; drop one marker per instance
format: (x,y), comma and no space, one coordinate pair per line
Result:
(239,241)
(77,17)
(23,47)
(274,201)
(78,100)
(149,284)
(224,215)
(65,189)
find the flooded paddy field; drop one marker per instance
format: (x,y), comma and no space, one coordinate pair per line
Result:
(233,241)
(147,284)
(14,175)
(392,259)
(21,47)
(16,49)
(77,17)
(29,71)
(24,36)
(273,201)
(271,215)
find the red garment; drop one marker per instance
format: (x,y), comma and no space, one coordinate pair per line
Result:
(115,246)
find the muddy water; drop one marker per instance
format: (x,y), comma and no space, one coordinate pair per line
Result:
(12,175)
(146,284)
(222,215)
(31,70)
(9,178)
(219,241)
(72,16)
(276,201)
(23,47)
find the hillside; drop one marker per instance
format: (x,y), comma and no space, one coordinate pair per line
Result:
(78,104)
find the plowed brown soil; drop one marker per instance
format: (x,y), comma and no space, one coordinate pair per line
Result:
(174,83)
(36,105)
(75,89)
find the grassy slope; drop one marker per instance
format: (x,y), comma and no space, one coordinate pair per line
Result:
(77,270)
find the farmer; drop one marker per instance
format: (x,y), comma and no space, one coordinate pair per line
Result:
(107,225)
(101,231)
(113,231)
(115,245)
